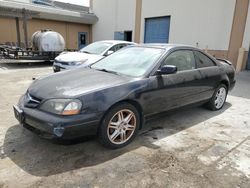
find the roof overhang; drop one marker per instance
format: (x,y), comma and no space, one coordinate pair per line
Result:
(15,9)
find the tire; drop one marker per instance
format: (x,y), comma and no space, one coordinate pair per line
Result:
(219,98)
(119,126)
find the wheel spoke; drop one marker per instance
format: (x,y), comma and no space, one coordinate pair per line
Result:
(115,135)
(130,127)
(113,125)
(120,116)
(123,136)
(128,118)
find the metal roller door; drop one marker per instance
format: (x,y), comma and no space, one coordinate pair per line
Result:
(157,30)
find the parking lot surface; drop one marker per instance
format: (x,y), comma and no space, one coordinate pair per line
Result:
(191,147)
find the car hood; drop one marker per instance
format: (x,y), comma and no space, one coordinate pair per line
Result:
(73,83)
(78,56)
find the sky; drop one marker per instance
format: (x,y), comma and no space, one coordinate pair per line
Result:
(78,2)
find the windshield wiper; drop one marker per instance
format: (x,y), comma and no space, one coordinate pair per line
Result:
(109,71)
(86,52)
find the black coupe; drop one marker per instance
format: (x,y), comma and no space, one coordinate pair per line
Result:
(115,96)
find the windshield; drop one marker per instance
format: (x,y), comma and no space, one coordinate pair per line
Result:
(133,61)
(96,48)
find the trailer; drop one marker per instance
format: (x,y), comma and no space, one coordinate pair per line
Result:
(46,45)
(10,54)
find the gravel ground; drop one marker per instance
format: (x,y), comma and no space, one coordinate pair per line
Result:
(188,148)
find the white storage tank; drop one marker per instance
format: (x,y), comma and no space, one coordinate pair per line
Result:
(48,41)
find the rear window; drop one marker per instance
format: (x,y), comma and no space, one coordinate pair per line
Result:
(202,60)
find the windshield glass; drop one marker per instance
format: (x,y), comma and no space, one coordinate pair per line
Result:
(133,61)
(96,48)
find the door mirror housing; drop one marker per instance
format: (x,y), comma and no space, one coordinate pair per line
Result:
(109,52)
(167,69)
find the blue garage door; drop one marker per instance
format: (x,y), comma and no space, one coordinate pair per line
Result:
(157,30)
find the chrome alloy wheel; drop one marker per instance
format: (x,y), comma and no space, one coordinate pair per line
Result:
(121,126)
(220,97)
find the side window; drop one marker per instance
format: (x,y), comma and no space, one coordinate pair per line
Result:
(202,60)
(117,47)
(120,46)
(182,59)
(113,48)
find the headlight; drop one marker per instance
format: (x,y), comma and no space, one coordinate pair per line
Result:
(62,106)
(78,62)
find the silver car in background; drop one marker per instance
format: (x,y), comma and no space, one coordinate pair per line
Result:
(88,55)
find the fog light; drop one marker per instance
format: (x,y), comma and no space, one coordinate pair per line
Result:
(58,131)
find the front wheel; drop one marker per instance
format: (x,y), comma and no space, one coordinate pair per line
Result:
(219,98)
(119,126)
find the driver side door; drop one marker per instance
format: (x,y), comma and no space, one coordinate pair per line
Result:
(175,90)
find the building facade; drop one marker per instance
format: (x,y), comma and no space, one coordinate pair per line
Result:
(221,27)
(20,19)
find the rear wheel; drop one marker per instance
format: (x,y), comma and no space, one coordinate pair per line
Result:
(119,126)
(219,98)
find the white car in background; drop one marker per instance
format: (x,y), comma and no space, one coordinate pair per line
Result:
(88,55)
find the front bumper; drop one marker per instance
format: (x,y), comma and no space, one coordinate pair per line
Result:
(55,126)
(57,67)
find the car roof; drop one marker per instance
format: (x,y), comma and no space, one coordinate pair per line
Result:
(166,45)
(116,42)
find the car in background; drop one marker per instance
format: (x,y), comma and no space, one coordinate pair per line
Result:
(115,96)
(88,55)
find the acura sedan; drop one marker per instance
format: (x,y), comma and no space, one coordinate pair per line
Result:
(115,96)
(88,55)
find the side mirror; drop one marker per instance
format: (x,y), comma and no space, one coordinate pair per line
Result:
(109,52)
(167,69)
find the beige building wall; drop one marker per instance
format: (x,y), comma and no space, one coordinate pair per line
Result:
(8,30)
(69,31)
(72,34)
(114,15)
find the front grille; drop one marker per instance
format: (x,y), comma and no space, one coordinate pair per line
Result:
(31,101)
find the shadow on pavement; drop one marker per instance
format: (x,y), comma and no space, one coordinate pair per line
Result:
(42,157)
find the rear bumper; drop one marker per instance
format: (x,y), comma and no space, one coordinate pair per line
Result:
(54,126)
